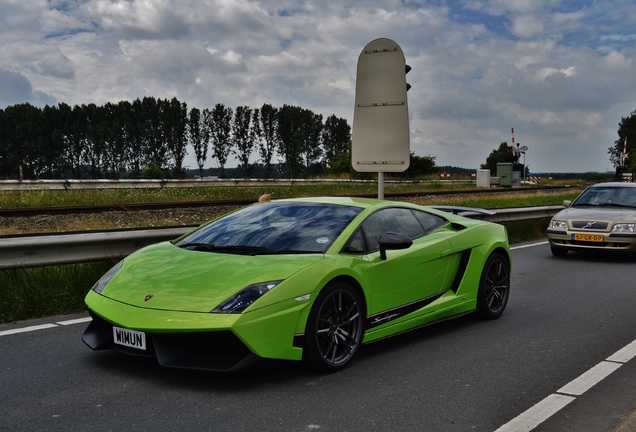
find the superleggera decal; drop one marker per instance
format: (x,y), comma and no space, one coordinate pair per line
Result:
(390,315)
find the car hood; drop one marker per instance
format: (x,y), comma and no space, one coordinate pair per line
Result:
(166,277)
(602,213)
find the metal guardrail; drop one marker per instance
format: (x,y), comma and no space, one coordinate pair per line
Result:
(42,250)
(517,213)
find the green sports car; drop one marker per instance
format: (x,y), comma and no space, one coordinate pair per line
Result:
(306,279)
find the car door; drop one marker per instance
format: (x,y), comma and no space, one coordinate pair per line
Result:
(409,279)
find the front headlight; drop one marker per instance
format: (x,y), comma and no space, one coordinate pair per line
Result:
(623,227)
(558,224)
(101,284)
(248,295)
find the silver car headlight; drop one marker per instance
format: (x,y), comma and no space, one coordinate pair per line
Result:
(623,227)
(242,299)
(558,224)
(101,284)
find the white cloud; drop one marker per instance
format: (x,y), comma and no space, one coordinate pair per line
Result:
(559,72)
(527,26)
(615,61)
(544,73)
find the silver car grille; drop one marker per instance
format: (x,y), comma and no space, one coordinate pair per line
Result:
(588,225)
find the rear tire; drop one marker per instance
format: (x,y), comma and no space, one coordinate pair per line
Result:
(334,328)
(494,287)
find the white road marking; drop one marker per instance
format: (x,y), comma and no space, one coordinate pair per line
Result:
(589,379)
(74,321)
(625,354)
(27,329)
(44,326)
(528,245)
(549,406)
(536,415)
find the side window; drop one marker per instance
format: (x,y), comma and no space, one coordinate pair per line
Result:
(412,223)
(428,221)
(391,219)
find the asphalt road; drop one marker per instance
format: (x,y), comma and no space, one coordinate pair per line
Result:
(548,364)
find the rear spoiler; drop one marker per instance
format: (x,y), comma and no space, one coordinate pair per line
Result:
(458,209)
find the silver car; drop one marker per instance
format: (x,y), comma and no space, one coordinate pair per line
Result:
(601,218)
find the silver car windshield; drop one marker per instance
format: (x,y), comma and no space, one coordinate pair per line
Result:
(268,228)
(607,196)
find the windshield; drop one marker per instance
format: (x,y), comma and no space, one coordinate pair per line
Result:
(607,196)
(274,227)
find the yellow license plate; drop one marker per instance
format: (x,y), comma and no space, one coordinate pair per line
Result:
(588,238)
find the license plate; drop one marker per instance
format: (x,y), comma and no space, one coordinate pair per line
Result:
(588,238)
(129,338)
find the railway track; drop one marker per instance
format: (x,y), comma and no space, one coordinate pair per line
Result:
(90,209)
(70,210)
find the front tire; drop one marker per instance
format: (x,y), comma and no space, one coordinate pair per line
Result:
(558,252)
(334,328)
(494,287)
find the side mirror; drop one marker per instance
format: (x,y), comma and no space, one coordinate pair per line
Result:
(393,241)
(567,203)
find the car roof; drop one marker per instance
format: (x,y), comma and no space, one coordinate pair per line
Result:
(615,184)
(350,201)
(369,205)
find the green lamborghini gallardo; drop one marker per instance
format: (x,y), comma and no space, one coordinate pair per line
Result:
(308,279)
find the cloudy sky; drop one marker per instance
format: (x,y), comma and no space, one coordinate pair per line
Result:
(560,72)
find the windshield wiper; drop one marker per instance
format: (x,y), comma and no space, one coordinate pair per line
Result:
(616,205)
(206,247)
(286,252)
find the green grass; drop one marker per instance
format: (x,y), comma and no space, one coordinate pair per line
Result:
(536,200)
(47,198)
(46,291)
(523,231)
(72,197)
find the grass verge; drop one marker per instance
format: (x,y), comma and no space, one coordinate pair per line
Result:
(48,198)
(529,230)
(46,291)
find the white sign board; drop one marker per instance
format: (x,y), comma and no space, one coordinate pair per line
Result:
(380,141)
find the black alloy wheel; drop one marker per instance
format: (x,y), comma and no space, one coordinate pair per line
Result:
(494,287)
(334,328)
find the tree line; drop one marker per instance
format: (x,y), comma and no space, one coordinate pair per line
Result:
(152,137)
(621,154)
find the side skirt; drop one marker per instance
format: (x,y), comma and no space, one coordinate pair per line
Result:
(392,314)
(456,311)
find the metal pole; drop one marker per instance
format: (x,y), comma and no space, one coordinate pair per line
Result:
(380,185)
